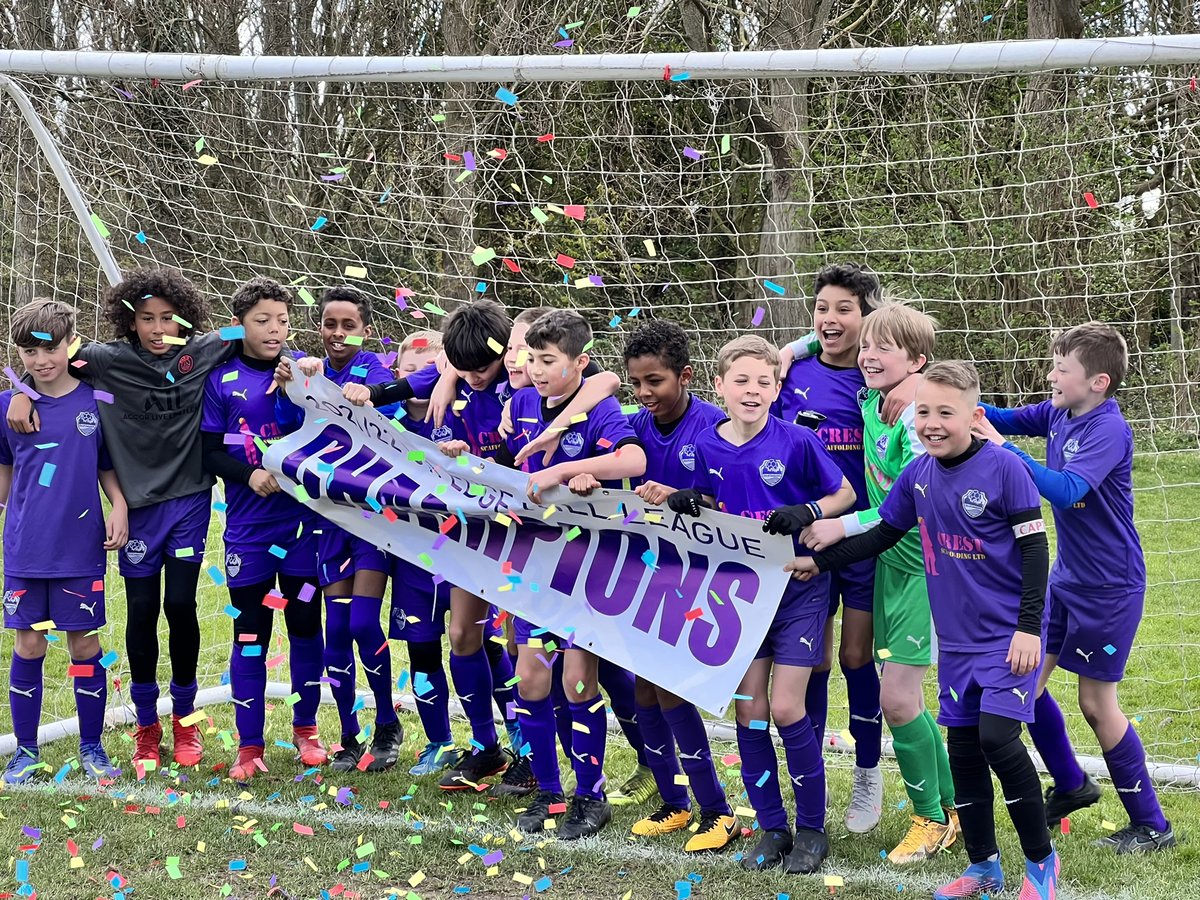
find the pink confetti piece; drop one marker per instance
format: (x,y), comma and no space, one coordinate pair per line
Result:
(192,84)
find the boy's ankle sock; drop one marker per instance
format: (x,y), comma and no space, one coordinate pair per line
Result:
(1049,733)
(866,718)
(183,699)
(945,778)
(806,769)
(695,757)
(374,653)
(537,728)
(660,753)
(1127,768)
(25,698)
(248,685)
(91,697)
(816,703)
(305,658)
(760,775)
(144,695)
(587,746)
(472,676)
(915,756)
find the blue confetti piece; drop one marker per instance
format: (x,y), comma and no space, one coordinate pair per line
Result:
(42,335)
(402,680)
(542,884)
(358,371)
(504,95)
(681,76)
(220,506)
(108,659)
(319,224)
(683,890)
(364,866)
(763,779)
(277,551)
(481,287)
(478,746)
(758,725)
(1109,649)
(141,237)
(47,474)
(237,865)
(217,576)
(232,332)
(251,649)
(649,558)
(772,286)
(421,685)
(232,611)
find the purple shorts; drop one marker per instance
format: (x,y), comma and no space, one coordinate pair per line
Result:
(854,586)
(797,636)
(250,563)
(177,528)
(73,604)
(1092,636)
(419,607)
(524,630)
(341,554)
(973,682)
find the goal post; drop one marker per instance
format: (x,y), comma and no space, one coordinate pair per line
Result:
(1008,188)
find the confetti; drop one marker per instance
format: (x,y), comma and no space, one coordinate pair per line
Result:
(772,286)
(1090,199)
(504,95)
(355,272)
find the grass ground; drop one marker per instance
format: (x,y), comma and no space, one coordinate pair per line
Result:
(193,834)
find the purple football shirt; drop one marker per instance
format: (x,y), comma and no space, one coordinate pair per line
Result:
(54,526)
(237,405)
(604,430)
(972,561)
(481,413)
(837,394)
(671,458)
(1099,549)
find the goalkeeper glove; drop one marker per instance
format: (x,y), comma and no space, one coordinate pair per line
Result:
(791,519)
(688,502)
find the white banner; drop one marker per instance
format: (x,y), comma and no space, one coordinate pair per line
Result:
(682,602)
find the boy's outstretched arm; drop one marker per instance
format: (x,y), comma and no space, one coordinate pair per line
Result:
(116,525)
(595,389)
(791,519)
(630,462)
(1062,489)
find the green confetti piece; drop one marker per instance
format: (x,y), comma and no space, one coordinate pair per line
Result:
(199,144)
(725,143)
(438,117)
(540,216)
(574,533)
(634,11)
(483,255)
(462,176)
(573,25)
(365,850)
(416,456)
(100,226)
(434,308)
(308,298)
(354,340)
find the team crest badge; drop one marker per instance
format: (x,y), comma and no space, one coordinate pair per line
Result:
(11,600)
(771,471)
(441,435)
(687,457)
(186,364)
(233,564)
(572,443)
(1070,448)
(86,423)
(135,551)
(974,502)
(881,445)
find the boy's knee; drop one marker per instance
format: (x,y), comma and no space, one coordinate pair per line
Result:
(29,644)
(82,644)
(998,735)
(854,656)
(644,693)
(534,685)
(466,638)
(899,709)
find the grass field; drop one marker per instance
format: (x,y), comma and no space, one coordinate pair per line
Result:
(193,834)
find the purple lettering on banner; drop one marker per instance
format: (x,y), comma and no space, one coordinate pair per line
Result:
(670,593)
(733,583)
(524,540)
(566,574)
(616,571)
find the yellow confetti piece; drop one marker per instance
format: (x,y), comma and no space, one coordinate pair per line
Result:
(74,348)
(47,625)
(649,245)
(522,357)
(745,811)
(308,862)
(201,846)
(493,871)
(555,209)
(653,517)
(847,737)
(192,719)
(416,879)
(355,272)
(496,346)
(76,862)
(465,858)
(581,283)
(175,341)
(681,780)
(579,417)
(579,726)
(884,653)
(1108,826)
(459,405)
(207,160)
(503,519)
(834,881)
(550,510)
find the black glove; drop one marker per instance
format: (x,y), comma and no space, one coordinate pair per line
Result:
(688,503)
(809,419)
(790,519)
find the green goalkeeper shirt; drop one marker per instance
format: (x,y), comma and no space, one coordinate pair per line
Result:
(887,451)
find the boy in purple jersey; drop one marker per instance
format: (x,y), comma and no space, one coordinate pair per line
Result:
(262,547)
(1098,583)
(754,465)
(986,556)
(154,373)
(352,571)
(55,538)
(600,449)
(831,385)
(669,425)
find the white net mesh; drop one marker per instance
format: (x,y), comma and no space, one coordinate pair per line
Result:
(1007,205)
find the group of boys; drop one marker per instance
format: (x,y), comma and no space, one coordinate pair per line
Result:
(902,502)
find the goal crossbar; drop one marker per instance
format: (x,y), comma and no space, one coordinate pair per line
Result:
(970,58)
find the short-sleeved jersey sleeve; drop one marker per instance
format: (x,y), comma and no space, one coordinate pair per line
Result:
(1020,493)
(1104,446)
(899,509)
(823,472)
(212,413)
(702,474)
(6,454)
(423,381)
(1033,420)
(610,428)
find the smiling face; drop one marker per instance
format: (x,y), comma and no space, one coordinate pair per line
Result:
(944,416)
(516,357)
(553,372)
(837,318)
(1070,386)
(266,324)
(884,364)
(48,365)
(658,388)
(341,319)
(153,320)
(749,386)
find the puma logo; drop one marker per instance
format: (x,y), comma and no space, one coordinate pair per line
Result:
(17,690)
(244,704)
(717,472)
(1087,657)
(91,609)
(798,780)
(657,751)
(806,642)
(581,757)
(95,695)
(466,698)
(921,487)
(919,786)
(1136,789)
(429,698)
(1023,696)
(1053,435)
(872,721)
(345,671)
(375,671)
(916,640)
(241,395)
(695,756)
(803,392)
